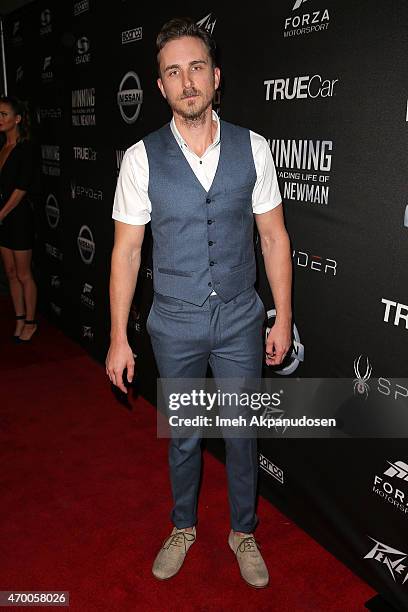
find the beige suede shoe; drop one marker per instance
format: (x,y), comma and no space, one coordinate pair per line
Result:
(171,556)
(251,565)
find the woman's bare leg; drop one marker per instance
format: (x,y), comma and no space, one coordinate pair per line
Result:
(25,276)
(16,288)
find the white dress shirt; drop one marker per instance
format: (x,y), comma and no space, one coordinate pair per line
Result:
(132,204)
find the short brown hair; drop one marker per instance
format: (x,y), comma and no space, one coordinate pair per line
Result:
(185,26)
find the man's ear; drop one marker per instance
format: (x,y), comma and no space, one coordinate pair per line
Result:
(18,118)
(160,86)
(217,77)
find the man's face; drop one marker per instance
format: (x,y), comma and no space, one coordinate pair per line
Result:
(188,80)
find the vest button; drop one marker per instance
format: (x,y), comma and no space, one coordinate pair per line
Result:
(212,263)
(209,221)
(210,284)
(210,243)
(208,200)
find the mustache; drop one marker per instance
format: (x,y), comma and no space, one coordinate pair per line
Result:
(190,92)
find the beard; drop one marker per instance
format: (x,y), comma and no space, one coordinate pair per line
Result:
(195,109)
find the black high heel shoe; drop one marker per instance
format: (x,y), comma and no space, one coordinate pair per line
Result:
(18,318)
(28,322)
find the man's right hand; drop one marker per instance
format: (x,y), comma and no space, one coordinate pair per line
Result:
(119,357)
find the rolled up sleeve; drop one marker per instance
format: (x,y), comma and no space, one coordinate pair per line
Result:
(266,193)
(131,202)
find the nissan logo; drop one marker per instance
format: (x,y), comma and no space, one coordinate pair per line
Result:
(130,97)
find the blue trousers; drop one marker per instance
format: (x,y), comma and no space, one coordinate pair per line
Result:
(227,336)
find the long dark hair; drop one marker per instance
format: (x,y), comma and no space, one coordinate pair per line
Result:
(19,107)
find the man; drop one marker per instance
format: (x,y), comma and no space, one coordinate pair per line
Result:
(199,181)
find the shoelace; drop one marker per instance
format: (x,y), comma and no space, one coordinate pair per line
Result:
(248,545)
(180,538)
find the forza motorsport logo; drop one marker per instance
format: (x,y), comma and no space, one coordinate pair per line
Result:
(207,23)
(304,166)
(298,351)
(130,97)
(86,244)
(394,560)
(305,23)
(399,469)
(87,332)
(87,296)
(47,74)
(389,486)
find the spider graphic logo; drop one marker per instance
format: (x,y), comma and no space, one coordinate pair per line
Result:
(360,382)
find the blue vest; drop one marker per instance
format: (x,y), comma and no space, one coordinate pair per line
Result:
(202,241)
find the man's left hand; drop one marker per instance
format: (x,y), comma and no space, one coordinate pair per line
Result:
(278,343)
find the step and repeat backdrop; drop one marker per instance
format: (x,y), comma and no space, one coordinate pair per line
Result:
(324,81)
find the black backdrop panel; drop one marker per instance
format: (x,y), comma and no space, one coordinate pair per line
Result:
(325,83)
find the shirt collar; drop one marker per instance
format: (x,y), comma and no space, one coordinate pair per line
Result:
(180,140)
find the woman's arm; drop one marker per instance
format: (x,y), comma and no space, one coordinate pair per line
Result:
(15,199)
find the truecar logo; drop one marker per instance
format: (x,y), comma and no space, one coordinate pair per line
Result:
(300,87)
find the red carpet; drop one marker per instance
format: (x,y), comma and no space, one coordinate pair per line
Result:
(86,502)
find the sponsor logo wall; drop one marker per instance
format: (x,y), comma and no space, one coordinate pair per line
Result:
(308,80)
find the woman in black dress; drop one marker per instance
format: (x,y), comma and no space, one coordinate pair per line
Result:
(16,215)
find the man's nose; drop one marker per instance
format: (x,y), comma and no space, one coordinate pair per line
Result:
(187,80)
